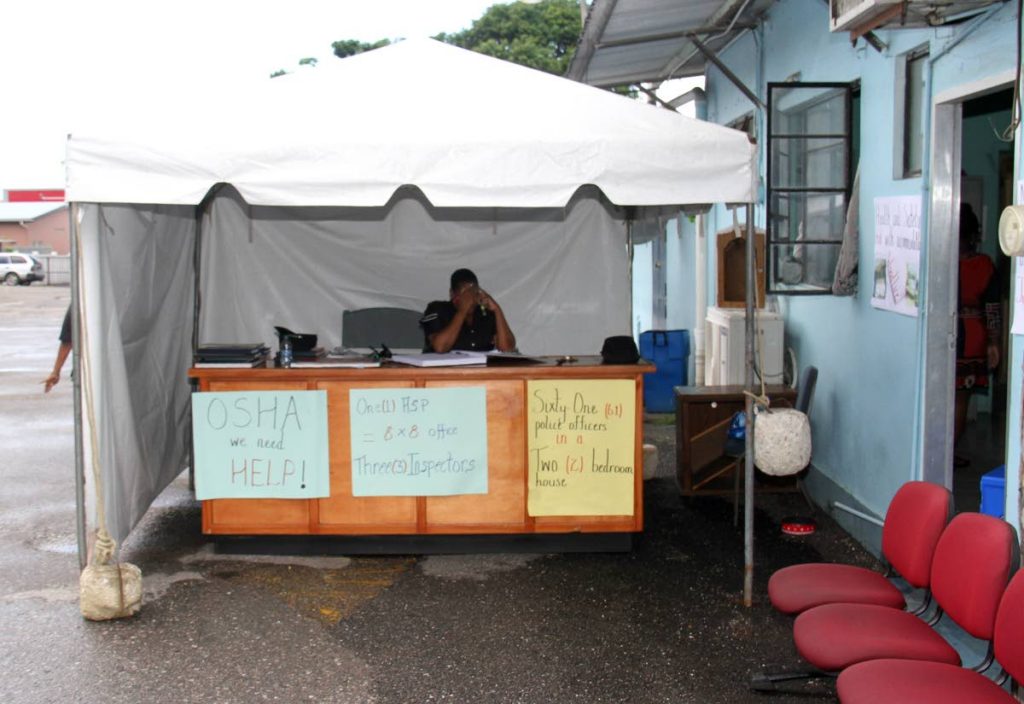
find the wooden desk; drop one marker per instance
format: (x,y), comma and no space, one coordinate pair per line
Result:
(503,510)
(703,416)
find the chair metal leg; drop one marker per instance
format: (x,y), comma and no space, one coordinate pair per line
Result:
(769,681)
(736,492)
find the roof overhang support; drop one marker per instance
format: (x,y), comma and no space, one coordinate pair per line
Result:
(600,14)
(682,34)
(728,13)
(733,78)
(653,96)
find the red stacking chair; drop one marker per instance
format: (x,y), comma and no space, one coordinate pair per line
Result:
(916,517)
(906,681)
(973,561)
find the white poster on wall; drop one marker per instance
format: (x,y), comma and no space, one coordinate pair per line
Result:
(1017,328)
(896,284)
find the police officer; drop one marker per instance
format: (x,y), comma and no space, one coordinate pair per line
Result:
(469,320)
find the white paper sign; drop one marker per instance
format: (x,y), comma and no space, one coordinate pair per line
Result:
(1017,328)
(896,283)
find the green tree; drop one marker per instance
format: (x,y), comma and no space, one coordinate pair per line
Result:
(540,35)
(351,47)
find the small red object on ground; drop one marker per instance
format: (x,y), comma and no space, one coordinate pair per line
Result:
(798,525)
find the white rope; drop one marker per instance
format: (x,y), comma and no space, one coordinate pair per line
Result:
(103,550)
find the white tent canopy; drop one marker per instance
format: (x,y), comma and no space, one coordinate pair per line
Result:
(467,129)
(359,184)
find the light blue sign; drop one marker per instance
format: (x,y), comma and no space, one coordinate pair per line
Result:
(418,442)
(260,445)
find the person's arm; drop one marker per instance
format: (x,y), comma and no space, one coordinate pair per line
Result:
(504,339)
(62,354)
(444,339)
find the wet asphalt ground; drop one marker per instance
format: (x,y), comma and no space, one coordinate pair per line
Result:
(661,623)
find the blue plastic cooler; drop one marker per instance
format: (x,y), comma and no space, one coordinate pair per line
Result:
(993,492)
(669,351)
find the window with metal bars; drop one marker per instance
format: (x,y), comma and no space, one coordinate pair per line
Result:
(808,184)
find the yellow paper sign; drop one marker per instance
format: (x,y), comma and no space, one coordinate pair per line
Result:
(581,436)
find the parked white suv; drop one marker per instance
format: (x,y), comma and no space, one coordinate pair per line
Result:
(18,268)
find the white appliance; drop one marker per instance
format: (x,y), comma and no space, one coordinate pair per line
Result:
(725,334)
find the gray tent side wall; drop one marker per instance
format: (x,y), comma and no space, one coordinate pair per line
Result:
(137,294)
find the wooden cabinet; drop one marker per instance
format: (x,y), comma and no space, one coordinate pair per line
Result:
(703,416)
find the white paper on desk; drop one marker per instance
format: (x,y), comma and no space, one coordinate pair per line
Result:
(335,362)
(455,358)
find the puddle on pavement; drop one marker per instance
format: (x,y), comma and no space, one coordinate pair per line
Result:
(327,595)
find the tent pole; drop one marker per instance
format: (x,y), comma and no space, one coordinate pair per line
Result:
(748,455)
(196,301)
(701,255)
(76,376)
(631,250)
(196,306)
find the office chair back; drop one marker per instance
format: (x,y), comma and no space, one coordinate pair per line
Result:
(1009,646)
(805,391)
(914,521)
(974,560)
(398,328)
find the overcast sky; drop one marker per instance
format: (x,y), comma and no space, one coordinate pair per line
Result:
(66,59)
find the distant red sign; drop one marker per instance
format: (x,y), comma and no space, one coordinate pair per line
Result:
(35,196)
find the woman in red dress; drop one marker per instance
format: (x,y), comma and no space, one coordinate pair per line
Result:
(979,324)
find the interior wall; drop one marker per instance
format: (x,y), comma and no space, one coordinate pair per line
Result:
(980,159)
(866,413)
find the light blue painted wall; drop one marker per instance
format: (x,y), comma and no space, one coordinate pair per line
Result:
(866,408)
(680,257)
(679,262)
(681,272)
(643,297)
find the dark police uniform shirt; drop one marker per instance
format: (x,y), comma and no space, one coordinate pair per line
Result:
(476,335)
(65,328)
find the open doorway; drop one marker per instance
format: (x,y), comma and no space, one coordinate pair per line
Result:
(986,168)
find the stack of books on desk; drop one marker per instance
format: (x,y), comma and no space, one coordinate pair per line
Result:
(238,355)
(313,355)
(455,358)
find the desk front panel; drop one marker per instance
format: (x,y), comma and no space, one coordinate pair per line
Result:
(256,516)
(503,510)
(341,512)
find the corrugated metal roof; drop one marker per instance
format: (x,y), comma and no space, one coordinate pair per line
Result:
(639,41)
(27,212)
(633,41)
